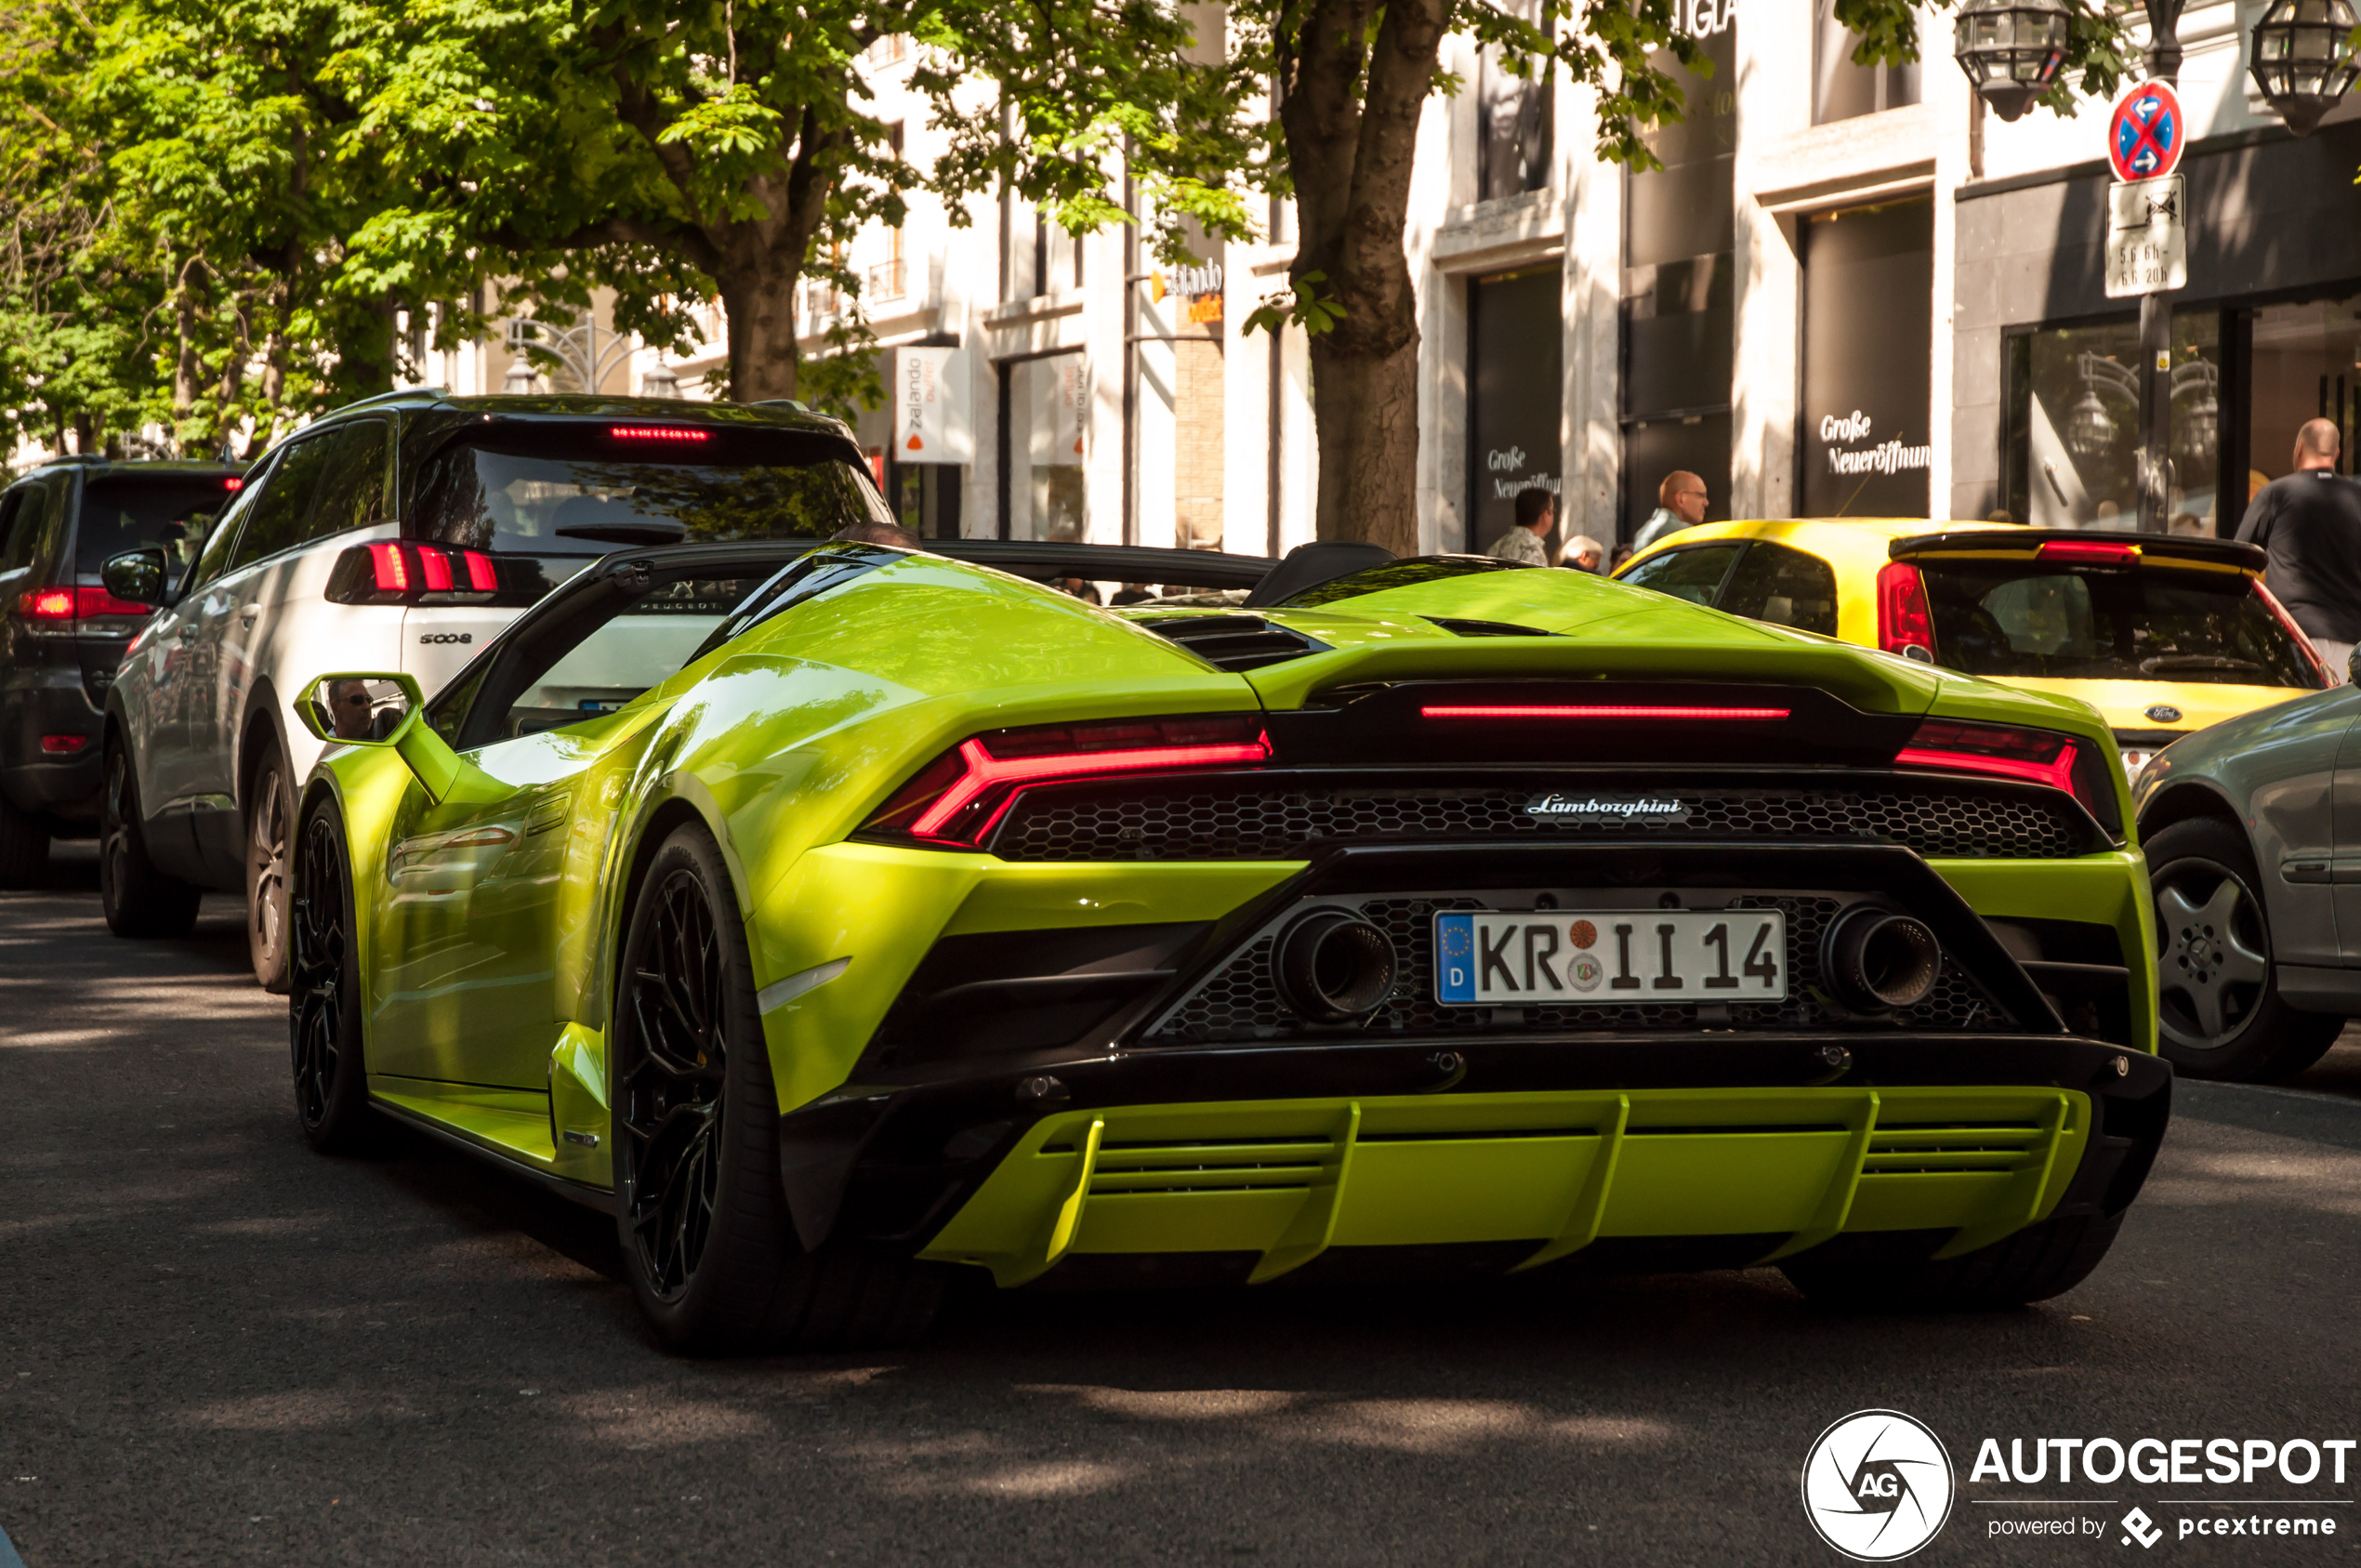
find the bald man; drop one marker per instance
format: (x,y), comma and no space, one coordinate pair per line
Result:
(1680,503)
(2310,524)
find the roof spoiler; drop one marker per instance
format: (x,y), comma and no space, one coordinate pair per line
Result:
(2028,541)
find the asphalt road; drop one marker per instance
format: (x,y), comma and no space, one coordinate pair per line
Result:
(218,1348)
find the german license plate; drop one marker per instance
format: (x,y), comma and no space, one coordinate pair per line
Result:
(1491,959)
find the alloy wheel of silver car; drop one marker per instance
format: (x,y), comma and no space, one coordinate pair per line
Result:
(267,870)
(2216,953)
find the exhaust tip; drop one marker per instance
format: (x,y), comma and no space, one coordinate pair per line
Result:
(1877,961)
(1333,966)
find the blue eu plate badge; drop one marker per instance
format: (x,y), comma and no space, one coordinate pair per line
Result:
(1455,958)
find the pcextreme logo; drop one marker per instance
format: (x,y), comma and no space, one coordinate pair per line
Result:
(1877,1485)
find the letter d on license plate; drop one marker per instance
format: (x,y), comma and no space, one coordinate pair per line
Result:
(1492,958)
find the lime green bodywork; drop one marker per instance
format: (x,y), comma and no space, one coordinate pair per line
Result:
(489,909)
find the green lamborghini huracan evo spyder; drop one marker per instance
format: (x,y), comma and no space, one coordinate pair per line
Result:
(842,917)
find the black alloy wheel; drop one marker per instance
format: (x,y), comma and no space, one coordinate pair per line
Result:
(139,900)
(702,1217)
(671,1103)
(2219,1011)
(269,815)
(324,1003)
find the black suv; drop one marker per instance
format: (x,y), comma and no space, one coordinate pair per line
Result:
(63,634)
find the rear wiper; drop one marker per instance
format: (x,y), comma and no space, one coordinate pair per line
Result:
(2194,661)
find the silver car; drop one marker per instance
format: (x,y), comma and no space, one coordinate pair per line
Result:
(2252,830)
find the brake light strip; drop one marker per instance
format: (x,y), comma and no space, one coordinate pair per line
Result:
(1507,711)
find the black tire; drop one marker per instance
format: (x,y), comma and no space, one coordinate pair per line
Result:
(139,900)
(24,848)
(707,1241)
(1869,1273)
(2219,1011)
(270,868)
(324,1043)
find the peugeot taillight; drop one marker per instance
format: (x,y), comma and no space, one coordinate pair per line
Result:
(2019,756)
(1903,624)
(962,795)
(387,573)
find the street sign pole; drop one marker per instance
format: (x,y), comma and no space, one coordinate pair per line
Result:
(2156,411)
(2147,250)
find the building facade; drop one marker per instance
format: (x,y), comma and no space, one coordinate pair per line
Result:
(1844,290)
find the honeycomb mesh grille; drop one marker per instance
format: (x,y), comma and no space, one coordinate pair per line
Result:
(1241,1001)
(1253,820)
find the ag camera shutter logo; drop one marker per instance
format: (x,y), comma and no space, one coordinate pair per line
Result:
(1877,1485)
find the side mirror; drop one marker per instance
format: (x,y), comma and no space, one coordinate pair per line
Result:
(2353,667)
(139,577)
(369,708)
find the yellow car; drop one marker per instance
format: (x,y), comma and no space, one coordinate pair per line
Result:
(2162,634)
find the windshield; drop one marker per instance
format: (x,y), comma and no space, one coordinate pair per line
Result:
(2028,619)
(127,512)
(582,491)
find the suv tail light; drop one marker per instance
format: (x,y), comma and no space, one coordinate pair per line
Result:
(1903,625)
(75,604)
(962,795)
(1999,751)
(406,573)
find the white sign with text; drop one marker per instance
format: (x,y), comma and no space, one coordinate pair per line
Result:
(933,416)
(2147,237)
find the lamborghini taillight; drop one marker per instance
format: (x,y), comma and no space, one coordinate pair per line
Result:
(963,793)
(2019,756)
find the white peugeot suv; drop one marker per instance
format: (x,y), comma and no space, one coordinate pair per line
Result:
(401,533)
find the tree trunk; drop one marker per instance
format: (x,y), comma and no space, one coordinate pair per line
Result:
(1364,409)
(757,283)
(1352,141)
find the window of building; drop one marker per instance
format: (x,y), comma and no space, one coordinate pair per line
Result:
(1513,107)
(1842,89)
(2072,425)
(1678,326)
(1044,409)
(1516,338)
(1865,446)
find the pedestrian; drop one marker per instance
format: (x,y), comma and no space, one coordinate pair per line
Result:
(1536,514)
(2309,524)
(1582,553)
(1680,503)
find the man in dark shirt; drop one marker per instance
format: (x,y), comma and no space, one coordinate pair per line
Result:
(2310,524)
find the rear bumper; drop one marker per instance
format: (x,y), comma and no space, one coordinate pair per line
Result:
(1522,1150)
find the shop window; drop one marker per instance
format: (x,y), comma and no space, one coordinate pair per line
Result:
(1045,405)
(1842,89)
(2305,365)
(2072,427)
(1865,446)
(1513,113)
(1678,327)
(1516,338)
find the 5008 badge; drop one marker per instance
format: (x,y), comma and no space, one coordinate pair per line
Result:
(435,637)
